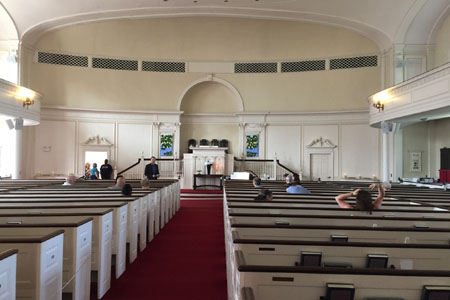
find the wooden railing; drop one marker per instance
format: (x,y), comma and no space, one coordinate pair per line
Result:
(168,168)
(263,168)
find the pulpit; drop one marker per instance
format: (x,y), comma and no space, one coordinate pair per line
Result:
(197,162)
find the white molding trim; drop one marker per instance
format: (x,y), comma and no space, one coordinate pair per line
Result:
(321,143)
(33,33)
(97,141)
(212,78)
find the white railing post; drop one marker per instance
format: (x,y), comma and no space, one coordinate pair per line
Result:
(142,165)
(274,168)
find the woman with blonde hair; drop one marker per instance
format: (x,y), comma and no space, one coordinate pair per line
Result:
(87,171)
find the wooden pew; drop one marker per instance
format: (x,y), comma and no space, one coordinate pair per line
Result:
(8,265)
(354,255)
(119,224)
(130,219)
(369,220)
(433,212)
(77,247)
(290,283)
(39,263)
(101,234)
(354,234)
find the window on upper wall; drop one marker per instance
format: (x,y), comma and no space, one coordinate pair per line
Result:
(252,145)
(166,145)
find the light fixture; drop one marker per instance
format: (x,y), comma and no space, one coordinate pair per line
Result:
(26,96)
(378,105)
(27,102)
(379,99)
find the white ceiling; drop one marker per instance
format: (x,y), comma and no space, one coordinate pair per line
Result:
(384,21)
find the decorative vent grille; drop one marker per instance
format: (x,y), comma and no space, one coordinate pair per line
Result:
(62,59)
(255,68)
(303,66)
(114,64)
(163,66)
(353,62)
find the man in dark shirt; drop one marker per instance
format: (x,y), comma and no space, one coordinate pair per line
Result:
(151,170)
(106,170)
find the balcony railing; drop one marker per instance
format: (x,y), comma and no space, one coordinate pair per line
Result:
(263,168)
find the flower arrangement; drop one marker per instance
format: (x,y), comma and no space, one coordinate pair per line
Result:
(208,163)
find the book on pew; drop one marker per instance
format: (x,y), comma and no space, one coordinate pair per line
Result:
(310,259)
(336,291)
(436,293)
(377,261)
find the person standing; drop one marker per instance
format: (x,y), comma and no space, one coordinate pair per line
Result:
(106,170)
(94,172)
(151,170)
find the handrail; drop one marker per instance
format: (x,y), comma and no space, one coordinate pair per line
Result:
(258,160)
(163,159)
(283,166)
(130,167)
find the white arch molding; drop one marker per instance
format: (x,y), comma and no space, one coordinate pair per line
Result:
(211,78)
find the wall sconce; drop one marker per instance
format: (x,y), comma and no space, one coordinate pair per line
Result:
(27,102)
(378,105)
(26,96)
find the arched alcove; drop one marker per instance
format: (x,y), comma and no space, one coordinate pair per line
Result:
(209,97)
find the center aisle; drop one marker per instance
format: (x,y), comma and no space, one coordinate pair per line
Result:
(186,260)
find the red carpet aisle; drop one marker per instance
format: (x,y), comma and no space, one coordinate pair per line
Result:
(185,261)
(201,195)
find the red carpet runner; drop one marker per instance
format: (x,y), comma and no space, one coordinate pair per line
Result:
(185,261)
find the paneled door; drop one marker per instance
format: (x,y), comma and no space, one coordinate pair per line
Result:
(321,166)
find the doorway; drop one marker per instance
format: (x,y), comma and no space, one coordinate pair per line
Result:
(97,157)
(321,166)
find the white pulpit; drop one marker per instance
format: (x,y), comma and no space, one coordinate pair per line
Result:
(195,163)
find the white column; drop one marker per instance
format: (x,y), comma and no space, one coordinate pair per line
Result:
(385,129)
(385,156)
(18,151)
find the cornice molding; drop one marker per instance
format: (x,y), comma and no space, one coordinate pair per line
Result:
(32,34)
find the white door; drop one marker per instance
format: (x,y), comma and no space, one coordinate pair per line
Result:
(321,166)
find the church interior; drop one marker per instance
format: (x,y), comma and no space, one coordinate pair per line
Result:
(339,95)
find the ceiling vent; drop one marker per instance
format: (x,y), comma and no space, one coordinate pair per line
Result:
(303,66)
(62,59)
(114,64)
(163,66)
(353,62)
(255,67)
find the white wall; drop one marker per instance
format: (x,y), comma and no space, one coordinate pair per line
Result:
(442,46)
(363,143)
(132,133)
(416,139)
(55,148)
(61,139)
(133,141)
(285,141)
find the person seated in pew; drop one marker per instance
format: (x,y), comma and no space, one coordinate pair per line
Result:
(120,182)
(70,180)
(145,183)
(264,195)
(364,200)
(127,190)
(257,183)
(295,187)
